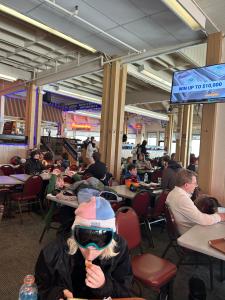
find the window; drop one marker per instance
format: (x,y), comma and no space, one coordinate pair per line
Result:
(152,138)
(131,138)
(195,144)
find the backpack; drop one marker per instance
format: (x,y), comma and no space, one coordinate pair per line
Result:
(111,196)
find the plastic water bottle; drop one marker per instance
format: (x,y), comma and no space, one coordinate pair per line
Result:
(1,211)
(146,178)
(28,290)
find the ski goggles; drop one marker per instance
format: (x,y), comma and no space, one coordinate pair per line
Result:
(99,238)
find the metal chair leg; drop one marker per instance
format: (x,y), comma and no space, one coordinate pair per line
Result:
(211,273)
(20,211)
(221,270)
(42,234)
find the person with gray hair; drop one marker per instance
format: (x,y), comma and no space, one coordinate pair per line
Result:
(185,212)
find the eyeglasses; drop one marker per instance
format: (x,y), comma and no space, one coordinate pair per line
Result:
(99,238)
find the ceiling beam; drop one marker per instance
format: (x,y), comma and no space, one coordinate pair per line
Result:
(148,96)
(20,74)
(86,65)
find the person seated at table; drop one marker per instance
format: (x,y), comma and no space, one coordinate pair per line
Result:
(207,204)
(47,160)
(125,164)
(92,263)
(185,212)
(142,163)
(171,167)
(65,161)
(33,165)
(97,169)
(132,173)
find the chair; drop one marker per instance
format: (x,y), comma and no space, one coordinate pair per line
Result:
(182,252)
(140,203)
(155,175)
(7,170)
(30,194)
(68,179)
(157,214)
(153,271)
(19,170)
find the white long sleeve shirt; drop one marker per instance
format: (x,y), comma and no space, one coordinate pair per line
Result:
(186,214)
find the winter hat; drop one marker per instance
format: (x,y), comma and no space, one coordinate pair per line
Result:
(97,212)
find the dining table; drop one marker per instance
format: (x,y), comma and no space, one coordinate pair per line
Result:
(125,192)
(9,181)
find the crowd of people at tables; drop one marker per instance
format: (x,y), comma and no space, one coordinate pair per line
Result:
(91,260)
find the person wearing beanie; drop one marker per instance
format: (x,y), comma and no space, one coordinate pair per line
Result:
(92,263)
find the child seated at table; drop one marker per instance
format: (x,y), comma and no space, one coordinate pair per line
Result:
(132,173)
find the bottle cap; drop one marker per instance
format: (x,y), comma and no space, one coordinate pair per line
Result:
(29,279)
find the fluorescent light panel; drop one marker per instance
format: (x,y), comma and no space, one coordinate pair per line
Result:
(85,113)
(81,96)
(188,12)
(57,33)
(155,77)
(7,77)
(145,112)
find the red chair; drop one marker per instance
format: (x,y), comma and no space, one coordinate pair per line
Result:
(19,170)
(140,203)
(7,170)
(157,214)
(68,179)
(151,270)
(74,167)
(191,257)
(30,194)
(155,175)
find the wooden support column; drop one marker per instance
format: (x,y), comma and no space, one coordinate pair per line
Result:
(120,120)
(2,113)
(39,116)
(189,141)
(185,135)
(30,114)
(179,132)
(212,144)
(112,116)
(105,112)
(169,133)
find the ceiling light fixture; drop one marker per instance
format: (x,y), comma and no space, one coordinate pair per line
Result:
(81,96)
(7,77)
(188,12)
(149,74)
(42,26)
(85,113)
(147,113)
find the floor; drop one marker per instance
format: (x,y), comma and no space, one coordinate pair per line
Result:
(19,249)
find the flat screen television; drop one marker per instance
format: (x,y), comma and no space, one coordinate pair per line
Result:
(200,85)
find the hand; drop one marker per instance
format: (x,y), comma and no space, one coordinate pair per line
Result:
(222,216)
(95,277)
(67,294)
